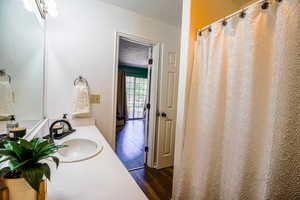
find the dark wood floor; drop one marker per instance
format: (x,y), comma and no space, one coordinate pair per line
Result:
(156,184)
(130,142)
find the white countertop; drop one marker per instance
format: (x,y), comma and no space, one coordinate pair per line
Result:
(100,178)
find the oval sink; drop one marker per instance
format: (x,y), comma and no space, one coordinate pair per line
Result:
(79,149)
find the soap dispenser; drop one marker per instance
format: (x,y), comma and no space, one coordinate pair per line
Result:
(12,123)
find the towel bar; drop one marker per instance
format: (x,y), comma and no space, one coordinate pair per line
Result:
(80,78)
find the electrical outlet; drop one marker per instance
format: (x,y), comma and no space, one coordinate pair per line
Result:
(95,99)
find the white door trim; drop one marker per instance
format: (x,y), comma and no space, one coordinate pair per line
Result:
(154,90)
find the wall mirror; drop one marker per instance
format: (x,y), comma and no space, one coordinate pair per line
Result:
(21,63)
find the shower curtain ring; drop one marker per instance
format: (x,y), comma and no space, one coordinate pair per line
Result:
(243,14)
(210,29)
(265,5)
(224,22)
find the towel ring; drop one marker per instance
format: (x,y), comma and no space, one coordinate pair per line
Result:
(3,73)
(80,79)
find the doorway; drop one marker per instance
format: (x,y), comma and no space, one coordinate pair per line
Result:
(145,136)
(136,81)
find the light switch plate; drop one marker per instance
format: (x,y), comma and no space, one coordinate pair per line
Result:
(95,99)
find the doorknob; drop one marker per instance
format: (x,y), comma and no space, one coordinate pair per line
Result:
(163,114)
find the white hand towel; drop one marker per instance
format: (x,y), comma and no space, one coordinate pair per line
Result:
(81,100)
(6,100)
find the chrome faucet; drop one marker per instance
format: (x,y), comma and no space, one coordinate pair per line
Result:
(53,133)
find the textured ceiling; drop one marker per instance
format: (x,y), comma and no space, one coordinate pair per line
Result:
(168,11)
(132,54)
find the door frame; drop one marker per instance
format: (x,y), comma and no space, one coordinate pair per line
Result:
(154,91)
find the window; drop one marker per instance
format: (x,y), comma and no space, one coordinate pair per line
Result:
(136,89)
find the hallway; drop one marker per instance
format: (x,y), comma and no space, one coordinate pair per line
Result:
(130,144)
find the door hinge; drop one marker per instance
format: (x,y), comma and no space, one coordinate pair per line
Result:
(146,149)
(148,106)
(150,62)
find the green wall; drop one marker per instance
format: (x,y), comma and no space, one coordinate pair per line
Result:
(134,71)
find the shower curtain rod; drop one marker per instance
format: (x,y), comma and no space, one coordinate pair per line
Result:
(242,12)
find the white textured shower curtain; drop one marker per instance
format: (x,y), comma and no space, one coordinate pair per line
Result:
(242,136)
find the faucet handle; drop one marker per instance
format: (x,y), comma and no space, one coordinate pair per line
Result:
(65,116)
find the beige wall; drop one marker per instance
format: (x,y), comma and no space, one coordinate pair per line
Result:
(205,12)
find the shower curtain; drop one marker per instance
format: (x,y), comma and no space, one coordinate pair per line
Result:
(242,135)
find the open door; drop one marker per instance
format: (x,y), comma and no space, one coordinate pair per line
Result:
(167,102)
(148,105)
(153,71)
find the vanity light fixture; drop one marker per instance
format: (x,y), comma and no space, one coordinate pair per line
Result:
(41,6)
(33,7)
(47,7)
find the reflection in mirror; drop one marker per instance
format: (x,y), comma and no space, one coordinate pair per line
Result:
(21,63)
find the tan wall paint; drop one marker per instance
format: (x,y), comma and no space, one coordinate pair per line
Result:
(205,12)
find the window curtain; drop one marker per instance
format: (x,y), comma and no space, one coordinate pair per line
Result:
(122,114)
(242,134)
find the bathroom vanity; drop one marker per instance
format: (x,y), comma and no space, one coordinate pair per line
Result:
(102,176)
